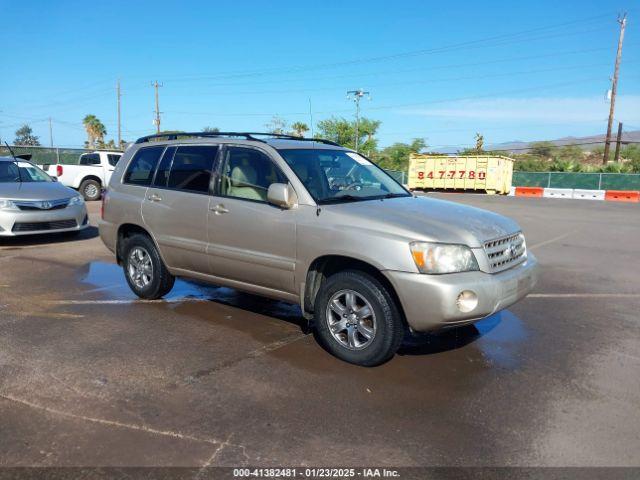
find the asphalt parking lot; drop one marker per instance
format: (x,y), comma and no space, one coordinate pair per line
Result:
(90,376)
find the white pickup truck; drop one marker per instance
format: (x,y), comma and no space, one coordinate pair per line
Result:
(90,175)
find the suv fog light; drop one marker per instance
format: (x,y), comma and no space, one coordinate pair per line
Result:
(467,301)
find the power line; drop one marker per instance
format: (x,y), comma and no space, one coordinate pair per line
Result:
(523,34)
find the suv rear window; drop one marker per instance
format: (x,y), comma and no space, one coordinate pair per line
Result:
(113,159)
(142,166)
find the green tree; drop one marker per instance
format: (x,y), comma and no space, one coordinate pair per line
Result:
(299,129)
(211,129)
(396,156)
(25,136)
(479,143)
(342,131)
(569,153)
(542,149)
(95,129)
(276,125)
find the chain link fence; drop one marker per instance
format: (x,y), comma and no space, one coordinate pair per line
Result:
(398,175)
(586,181)
(46,155)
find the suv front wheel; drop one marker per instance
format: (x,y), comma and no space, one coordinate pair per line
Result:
(357,320)
(144,270)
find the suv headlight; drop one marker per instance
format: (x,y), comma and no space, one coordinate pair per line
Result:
(8,205)
(435,258)
(76,201)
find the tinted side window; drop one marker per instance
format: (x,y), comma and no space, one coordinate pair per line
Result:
(248,173)
(142,166)
(191,168)
(90,159)
(162,174)
(113,159)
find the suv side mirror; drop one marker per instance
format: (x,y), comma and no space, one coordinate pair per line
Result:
(281,195)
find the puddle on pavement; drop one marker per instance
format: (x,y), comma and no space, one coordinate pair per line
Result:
(108,280)
(496,338)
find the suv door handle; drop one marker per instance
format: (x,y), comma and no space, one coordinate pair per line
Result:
(219,209)
(154,198)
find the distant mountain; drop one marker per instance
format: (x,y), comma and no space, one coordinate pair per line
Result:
(591,142)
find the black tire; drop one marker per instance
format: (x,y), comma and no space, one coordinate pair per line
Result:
(160,280)
(91,190)
(389,326)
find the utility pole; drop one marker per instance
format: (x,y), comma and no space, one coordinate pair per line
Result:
(118,95)
(614,87)
(356,95)
(157,85)
(616,156)
(50,133)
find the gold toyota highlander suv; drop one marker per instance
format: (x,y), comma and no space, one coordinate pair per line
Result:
(309,222)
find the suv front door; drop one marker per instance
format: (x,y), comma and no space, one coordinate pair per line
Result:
(176,205)
(250,240)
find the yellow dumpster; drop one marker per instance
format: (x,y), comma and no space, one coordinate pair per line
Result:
(489,173)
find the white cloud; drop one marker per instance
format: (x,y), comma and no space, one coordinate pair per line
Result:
(538,109)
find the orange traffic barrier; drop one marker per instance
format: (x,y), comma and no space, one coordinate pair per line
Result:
(529,191)
(622,196)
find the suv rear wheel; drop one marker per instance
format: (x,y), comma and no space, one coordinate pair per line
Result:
(357,320)
(144,270)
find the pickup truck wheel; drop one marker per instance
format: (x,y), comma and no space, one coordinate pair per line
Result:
(357,320)
(90,190)
(144,270)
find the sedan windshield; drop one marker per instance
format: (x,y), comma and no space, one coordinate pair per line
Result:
(12,172)
(333,176)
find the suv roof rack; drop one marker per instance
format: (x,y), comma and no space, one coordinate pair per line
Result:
(246,135)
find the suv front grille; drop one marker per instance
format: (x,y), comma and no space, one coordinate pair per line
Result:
(505,252)
(42,226)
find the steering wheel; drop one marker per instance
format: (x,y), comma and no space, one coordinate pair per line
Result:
(354,186)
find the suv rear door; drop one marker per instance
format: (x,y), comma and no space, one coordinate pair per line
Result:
(250,240)
(176,205)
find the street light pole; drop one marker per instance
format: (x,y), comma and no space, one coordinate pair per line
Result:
(356,95)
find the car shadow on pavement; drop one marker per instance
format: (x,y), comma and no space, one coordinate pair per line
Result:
(10,243)
(451,339)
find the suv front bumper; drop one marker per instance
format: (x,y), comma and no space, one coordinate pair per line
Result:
(430,301)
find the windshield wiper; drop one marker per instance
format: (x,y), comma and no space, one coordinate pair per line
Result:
(344,198)
(395,195)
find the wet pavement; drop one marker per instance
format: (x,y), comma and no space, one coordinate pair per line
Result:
(90,376)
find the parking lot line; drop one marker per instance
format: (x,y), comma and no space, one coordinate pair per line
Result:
(583,295)
(551,240)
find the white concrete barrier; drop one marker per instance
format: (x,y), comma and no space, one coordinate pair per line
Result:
(558,193)
(588,194)
(512,191)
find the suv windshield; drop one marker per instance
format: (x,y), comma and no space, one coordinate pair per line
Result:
(333,176)
(11,172)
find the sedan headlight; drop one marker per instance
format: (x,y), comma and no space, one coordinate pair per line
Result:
(76,201)
(8,205)
(435,258)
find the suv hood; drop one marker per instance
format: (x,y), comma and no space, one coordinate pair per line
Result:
(424,219)
(35,191)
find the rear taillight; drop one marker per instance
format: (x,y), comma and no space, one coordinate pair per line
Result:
(59,170)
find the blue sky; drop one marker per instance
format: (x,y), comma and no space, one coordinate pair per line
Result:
(437,70)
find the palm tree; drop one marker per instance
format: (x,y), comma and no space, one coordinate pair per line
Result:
(95,130)
(299,129)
